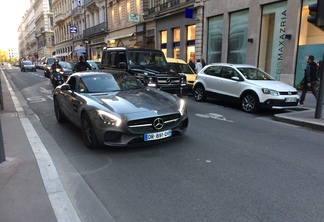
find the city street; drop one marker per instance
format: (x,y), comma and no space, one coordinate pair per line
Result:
(229,166)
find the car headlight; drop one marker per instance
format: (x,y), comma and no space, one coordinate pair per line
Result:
(109,118)
(182,107)
(183,80)
(151,82)
(270,92)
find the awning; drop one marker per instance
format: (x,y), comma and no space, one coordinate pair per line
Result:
(121,36)
(79,50)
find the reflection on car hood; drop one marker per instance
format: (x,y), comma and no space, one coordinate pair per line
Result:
(273,84)
(152,70)
(29,66)
(148,102)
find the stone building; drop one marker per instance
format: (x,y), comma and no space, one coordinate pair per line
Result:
(270,34)
(44,34)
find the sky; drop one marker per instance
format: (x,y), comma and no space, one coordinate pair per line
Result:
(11,13)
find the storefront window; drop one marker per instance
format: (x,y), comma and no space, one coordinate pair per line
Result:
(164,39)
(272,38)
(176,43)
(191,37)
(215,38)
(311,42)
(238,37)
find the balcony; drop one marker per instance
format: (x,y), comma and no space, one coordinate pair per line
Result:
(163,6)
(77,11)
(91,4)
(174,2)
(59,17)
(95,30)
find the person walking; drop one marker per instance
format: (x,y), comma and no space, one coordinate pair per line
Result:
(82,65)
(310,79)
(203,63)
(198,66)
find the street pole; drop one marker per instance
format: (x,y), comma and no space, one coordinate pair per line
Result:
(319,103)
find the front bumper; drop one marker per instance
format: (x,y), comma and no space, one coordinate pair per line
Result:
(124,137)
(278,104)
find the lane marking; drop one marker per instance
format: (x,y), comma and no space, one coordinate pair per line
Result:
(214,116)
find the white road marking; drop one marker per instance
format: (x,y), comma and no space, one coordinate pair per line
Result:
(214,116)
(36,99)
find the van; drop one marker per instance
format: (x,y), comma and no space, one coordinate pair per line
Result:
(180,66)
(148,65)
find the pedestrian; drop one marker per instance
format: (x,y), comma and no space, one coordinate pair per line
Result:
(82,65)
(198,66)
(310,79)
(203,63)
(192,64)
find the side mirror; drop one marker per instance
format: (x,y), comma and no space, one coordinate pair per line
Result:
(65,87)
(236,78)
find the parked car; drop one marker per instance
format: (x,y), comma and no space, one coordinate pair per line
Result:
(94,64)
(27,66)
(180,66)
(47,66)
(248,85)
(114,109)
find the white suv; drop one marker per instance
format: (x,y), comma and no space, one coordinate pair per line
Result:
(245,84)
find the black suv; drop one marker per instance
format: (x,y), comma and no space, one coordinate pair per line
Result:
(148,65)
(47,66)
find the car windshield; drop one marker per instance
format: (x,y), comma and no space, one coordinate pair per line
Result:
(93,64)
(27,63)
(66,65)
(180,68)
(108,83)
(144,58)
(255,74)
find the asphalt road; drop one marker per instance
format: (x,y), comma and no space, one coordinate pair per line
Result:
(229,166)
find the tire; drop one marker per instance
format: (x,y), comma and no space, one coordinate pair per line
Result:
(250,103)
(199,93)
(60,117)
(88,133)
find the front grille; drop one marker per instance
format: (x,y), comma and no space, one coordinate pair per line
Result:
(171,81)
(288,93)
(146,125)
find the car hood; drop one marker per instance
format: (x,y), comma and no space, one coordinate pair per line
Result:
(273,84)
(146,101)
(29,66)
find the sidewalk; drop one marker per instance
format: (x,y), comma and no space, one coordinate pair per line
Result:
(23,196)
(304,115)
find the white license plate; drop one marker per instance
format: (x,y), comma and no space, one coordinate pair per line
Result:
(158,135)
(291,99)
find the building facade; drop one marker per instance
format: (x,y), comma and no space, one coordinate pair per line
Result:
(26,38)
(44,34)
(62,14)
(273,35)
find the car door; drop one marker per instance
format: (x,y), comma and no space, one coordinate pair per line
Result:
(73,103)
(227,86)
(211,79)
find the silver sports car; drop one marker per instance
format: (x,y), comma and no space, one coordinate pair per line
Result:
(115,109)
